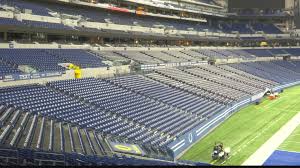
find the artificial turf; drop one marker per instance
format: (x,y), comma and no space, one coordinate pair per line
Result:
(292,143)
(248,129)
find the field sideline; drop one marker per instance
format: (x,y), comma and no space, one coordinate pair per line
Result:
(248,129)
(292,143)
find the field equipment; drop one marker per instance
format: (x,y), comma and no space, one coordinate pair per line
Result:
(273,96)
(219,152)
(77,70)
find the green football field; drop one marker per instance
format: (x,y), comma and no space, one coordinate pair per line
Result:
(292,143)
(248,129)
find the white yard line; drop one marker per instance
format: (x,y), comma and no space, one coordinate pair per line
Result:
(246,143)
(266,150)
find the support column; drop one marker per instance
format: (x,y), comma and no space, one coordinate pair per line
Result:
(5,36)
(30,37)
(46,37)
(209,23)
(287,25)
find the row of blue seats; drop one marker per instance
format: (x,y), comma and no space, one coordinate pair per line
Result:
(267,28)
(126,103)
(274,52)
(44,60)
(10,22)
(248,53)
(292,65)
(171,96)
(127,19)
(35,58)
(11,136)
(72,159)
(24,129)
(269,70)
(6,69)
(78,57)
(245,28)
(40,100)
(35,8)
(95,15)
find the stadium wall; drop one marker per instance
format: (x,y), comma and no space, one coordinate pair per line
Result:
(119,27)
(43,78)
(183,143)
(105,72)
(16,80)
(53,45)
